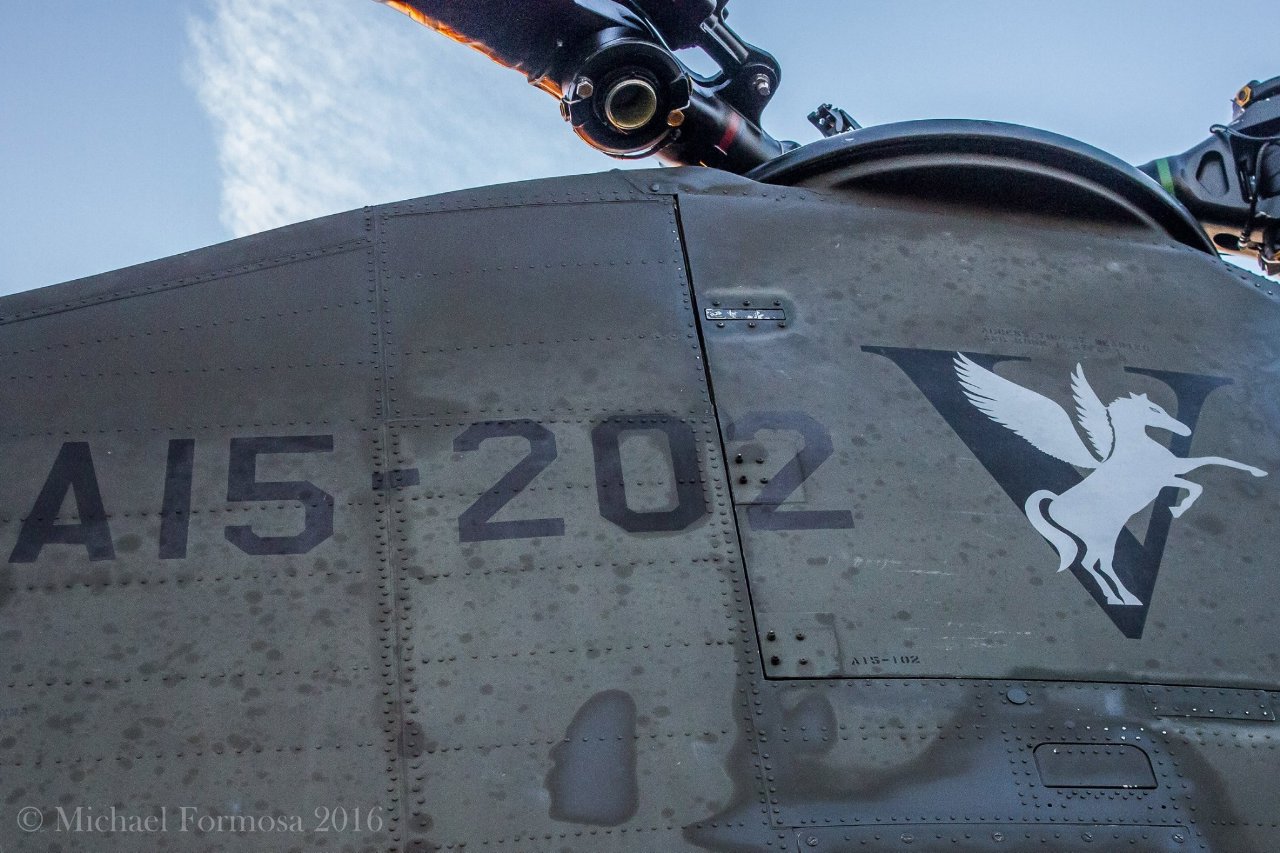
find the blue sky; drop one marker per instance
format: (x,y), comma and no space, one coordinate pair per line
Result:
(137,129)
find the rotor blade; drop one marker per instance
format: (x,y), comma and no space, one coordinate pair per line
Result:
(533,38)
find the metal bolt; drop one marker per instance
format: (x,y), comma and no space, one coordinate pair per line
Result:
(746,303)
(743,479)
(675,118)
(715,302)
(775,660)
(1017,696)
(812,841)
(804,661)
(997,836)
(1086,836)
(782,324)
(585,88)
(771,636)
(906,838)
(751,325)
(1178,838)
(720,325)
(738,459)
(762,85)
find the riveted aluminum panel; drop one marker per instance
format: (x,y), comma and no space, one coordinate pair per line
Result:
(570,598)
(530,627)
(216,653)
(240,584)
(916,550)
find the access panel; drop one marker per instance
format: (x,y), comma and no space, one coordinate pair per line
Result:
(574,645)
(965,445)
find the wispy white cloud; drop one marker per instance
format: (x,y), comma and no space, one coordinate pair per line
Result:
(327,105)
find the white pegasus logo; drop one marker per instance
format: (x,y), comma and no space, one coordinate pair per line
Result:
(1129,466)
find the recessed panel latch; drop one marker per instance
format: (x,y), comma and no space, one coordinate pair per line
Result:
(761,312)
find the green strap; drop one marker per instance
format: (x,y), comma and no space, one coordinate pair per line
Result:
(1166,176)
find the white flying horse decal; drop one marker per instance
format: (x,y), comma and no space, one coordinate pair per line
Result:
(1129,466)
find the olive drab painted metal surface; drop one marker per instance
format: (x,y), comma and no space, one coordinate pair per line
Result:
(649,511)
(868,359)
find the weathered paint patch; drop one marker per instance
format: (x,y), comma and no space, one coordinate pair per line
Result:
(594,777)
